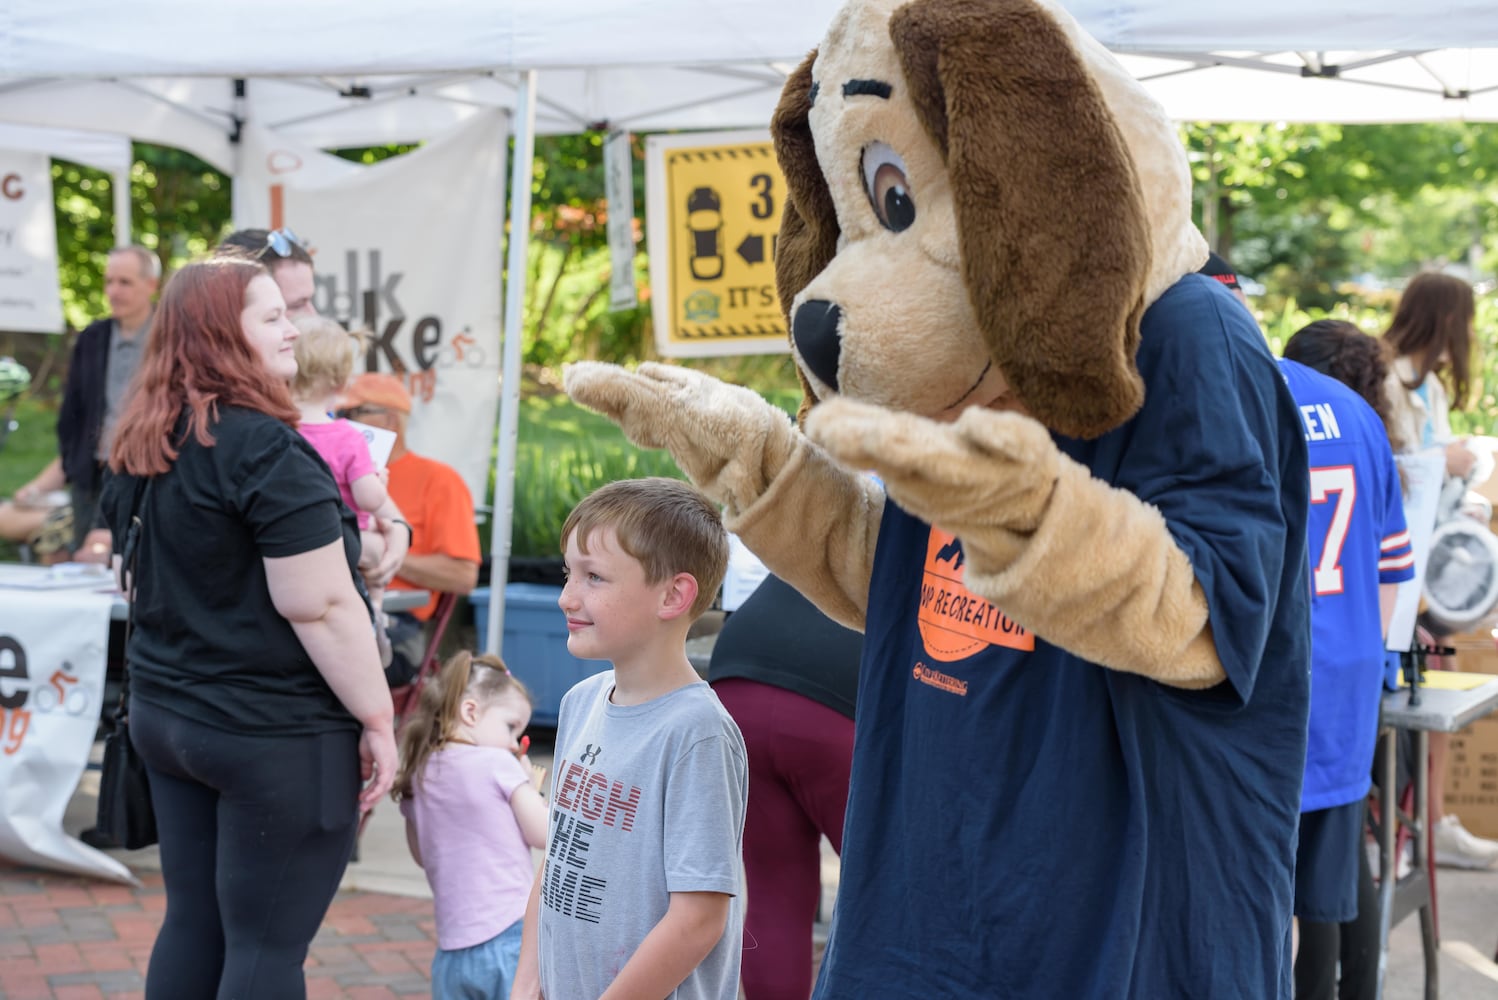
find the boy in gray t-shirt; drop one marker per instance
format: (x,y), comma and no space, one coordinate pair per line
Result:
(640,892)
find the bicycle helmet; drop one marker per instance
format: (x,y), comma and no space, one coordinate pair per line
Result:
(15,379)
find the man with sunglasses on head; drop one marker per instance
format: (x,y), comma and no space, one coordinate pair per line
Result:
(285,255)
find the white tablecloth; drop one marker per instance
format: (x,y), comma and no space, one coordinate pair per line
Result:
(53,649)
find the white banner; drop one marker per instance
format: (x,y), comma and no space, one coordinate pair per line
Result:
(409,249)
(53,645)
(29,297)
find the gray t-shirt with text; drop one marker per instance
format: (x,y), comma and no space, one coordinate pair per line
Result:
(646,800)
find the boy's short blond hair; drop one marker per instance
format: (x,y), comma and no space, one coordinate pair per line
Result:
(325,355)
(666,525)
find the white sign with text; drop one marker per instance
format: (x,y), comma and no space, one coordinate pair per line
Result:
(29,298)
(408,249)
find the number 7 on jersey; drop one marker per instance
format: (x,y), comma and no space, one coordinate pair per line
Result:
(1333,481)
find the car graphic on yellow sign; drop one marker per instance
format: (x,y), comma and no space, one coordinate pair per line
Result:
(705,223)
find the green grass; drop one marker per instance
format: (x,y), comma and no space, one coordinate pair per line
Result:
(563,453)
(548,420)
(557,421)
(25,452)
(29,447)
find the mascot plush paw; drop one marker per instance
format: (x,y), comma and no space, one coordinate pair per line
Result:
(1080,563)
(726,438)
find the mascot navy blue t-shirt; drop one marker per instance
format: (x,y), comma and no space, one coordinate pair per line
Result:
(1159,823)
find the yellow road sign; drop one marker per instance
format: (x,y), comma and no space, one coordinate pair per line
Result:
(713,204)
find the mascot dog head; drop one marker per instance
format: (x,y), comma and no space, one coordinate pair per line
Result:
(981,205)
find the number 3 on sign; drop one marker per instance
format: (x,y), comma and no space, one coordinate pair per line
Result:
(1338,480)
(764,207)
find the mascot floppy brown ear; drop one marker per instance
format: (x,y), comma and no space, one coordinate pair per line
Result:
(808,222)
(1051,224)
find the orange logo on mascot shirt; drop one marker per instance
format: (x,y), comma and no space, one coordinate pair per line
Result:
(955,622)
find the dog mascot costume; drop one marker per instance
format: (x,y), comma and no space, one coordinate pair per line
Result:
(1081,570)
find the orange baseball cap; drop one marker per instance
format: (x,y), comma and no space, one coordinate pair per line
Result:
(378,389)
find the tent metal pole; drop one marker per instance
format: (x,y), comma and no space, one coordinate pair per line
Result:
(120,187)
(518,251)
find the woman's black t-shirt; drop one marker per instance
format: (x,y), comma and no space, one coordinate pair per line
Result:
(778,637)
(207,641)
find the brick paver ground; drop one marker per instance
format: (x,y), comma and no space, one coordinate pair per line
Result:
(69,938)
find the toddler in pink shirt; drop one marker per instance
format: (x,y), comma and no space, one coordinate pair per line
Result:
(325,358)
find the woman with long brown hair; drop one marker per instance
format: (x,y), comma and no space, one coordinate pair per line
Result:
(256,696)
(1431,343)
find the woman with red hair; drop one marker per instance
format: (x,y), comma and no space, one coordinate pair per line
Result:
(256,696)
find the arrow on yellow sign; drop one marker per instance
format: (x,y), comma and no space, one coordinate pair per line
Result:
(752,249)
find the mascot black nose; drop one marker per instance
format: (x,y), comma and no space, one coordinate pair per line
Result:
(814,329)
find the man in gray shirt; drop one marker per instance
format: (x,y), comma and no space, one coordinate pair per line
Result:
(104,361)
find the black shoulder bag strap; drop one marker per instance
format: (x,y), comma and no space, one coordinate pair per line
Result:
(129,561)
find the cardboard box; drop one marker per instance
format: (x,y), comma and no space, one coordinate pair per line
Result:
(1479,656)
(1472,777)
(1477,650)
(1472,767)
(1488,488)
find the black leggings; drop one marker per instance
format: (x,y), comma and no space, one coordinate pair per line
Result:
(1354,945)
(255,834)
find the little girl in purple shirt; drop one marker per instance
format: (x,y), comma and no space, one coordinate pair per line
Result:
(473,813)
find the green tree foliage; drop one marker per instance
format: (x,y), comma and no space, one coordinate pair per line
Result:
(1305,207)
(1328,218)
(368,155)
(567,313)
(1333,219)
(181,204)
(180,208)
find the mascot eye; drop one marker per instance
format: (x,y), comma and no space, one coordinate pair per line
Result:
(888,191)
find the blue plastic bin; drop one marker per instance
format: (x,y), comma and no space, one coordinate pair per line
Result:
(535,645)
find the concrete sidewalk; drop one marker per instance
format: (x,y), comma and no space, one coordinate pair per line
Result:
(69,938)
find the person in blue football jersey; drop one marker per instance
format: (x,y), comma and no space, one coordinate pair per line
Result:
(1360,550)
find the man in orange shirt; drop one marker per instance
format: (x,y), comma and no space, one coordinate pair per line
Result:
(444,555)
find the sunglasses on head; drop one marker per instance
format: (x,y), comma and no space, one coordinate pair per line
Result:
(365,410)
(281,241)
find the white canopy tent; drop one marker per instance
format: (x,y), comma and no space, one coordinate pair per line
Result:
(190,74)
(337,74)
